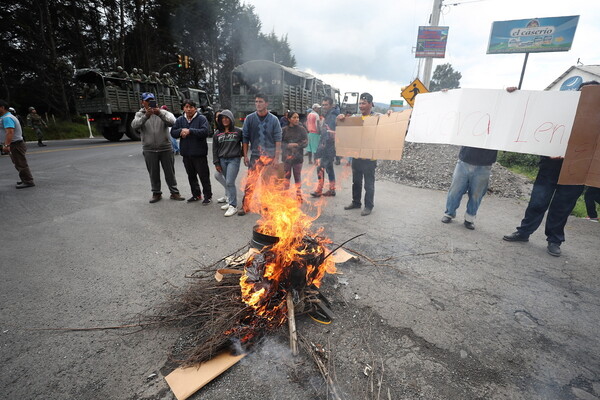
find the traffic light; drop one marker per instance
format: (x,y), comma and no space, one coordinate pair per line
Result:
(179,61)
(186,62)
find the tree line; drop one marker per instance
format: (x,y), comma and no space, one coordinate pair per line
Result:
(46,41)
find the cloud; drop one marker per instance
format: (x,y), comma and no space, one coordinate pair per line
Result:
(369,46)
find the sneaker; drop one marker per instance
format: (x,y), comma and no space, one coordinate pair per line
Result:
(206,202)
(176,196)
(316,194)
(554,249)
(230,211)
(24,185)
(516,237)
(329,193)
(193,199)
(469,225)
(223,199)
(592,219)
(155,198)
(366,211)
(446,219)
(225,206)
(352,206)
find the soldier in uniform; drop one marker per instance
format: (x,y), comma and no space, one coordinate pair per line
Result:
(135,75)
(144,77)
(121,73)
(35,121)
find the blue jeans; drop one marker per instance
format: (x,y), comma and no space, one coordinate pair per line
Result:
(325,165)
(175,144)
(231,167)
(362,168)
(559,200)
(471,179)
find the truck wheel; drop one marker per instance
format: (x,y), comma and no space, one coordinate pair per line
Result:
(112,134)
(131,133)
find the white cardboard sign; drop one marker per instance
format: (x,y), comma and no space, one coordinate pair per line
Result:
(525,121)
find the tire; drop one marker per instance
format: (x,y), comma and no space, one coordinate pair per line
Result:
(112,134)
(130,132)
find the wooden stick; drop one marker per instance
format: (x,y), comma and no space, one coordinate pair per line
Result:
(292,324)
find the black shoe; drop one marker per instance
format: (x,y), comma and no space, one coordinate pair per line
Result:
(365,212)
(446,219)
(329,193)
(192,199)
(516,237)
(241,212)
(206,202)
(316,194)
(40,144)
(352,206)
(554,249)
(469,225)
(24,185)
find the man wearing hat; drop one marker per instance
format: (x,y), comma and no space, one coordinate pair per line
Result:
(153,125)
(363,168)
(312,120)
(35,121)
(11,137)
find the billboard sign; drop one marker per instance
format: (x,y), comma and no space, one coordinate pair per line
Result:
(431,42)
(534,35)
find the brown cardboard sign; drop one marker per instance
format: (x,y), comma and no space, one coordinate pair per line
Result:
(582,159)
(184,382)
(377,138)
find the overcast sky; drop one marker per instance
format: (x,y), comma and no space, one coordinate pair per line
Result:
(368,46)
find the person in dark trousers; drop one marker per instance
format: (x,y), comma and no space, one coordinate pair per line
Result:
(35,122)
(362,168)
(192,129)
(262,136)
(548,195)
(227,153)
(153,124)
(591,197)
(11,134)
(295,139)
(325,155)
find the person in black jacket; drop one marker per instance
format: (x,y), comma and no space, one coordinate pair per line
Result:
(227,154)
(192,129)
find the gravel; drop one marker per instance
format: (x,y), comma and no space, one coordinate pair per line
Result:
(431,166)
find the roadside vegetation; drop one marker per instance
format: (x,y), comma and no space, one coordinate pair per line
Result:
(61,129)
(527,164)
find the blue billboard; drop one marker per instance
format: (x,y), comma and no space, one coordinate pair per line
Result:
(533,35)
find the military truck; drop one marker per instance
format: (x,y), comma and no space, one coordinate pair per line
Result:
(111,103)
(286,88)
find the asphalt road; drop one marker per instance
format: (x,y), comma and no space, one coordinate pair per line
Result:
(457,314)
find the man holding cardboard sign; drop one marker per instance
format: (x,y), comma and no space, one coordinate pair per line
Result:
(363,168)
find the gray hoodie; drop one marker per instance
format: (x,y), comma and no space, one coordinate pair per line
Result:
(154,130)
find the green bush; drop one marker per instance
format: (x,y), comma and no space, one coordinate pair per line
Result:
(76,129)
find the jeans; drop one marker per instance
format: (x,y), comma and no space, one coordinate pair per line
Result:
(17,155)
(198,167)
(559,200)
(296,169)
(592,196)
(362,168)
(471,179)
(156,159)
(231,167)
(254,163)
(175,144)
(325,165)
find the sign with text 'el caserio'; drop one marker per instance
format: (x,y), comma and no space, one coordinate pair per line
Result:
(431,42)
(525,121)
(533,35)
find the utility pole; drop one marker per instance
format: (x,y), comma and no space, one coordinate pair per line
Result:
(434,20)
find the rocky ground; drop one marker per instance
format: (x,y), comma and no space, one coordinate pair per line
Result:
(430,166)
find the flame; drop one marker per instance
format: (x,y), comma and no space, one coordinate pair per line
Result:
(299,259)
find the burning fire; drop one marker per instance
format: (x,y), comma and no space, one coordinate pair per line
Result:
(298,259)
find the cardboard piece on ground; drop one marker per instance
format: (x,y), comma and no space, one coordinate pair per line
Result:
(186,381)
(582,159)
(226,271)
(376,138)
(341,255)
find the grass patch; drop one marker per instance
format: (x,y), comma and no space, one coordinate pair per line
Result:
(527,165)
(63,130)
